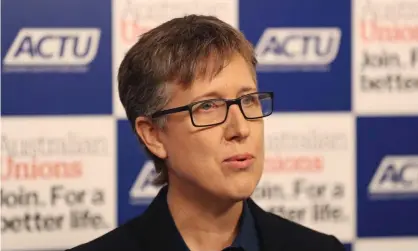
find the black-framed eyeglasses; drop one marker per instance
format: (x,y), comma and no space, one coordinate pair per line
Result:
(213,112)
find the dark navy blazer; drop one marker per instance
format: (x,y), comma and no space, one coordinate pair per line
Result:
(154,230)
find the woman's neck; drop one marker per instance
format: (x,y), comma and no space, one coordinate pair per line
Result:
(204,221)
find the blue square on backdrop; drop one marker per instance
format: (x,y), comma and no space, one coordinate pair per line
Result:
(135,174)
(347,247)
(387,181)
(303,50)
(56,57)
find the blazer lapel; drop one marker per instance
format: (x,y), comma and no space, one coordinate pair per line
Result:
(159,232)
(273,236)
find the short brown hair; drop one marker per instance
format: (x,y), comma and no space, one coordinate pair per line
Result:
(178,51)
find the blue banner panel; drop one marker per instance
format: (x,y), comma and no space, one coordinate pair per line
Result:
(135,174)
(303,50)
(347,247)
(387,181)
(56,57)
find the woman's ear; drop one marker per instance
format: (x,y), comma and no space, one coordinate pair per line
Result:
(150,135)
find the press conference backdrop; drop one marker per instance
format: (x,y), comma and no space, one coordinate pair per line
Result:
(341,147)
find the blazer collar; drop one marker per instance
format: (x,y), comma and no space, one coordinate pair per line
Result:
(157,227)
(159,232)
(271,231)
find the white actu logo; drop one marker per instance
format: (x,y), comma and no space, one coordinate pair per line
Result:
(396,175)
(53,46)
(298,46)
(143,187)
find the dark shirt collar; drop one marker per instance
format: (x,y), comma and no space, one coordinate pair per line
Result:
(246,239)
(247,236)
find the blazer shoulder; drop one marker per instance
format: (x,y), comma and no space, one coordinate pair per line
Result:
(300,237)
(123,237)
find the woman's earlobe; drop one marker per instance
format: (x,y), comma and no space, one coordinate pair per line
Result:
(149,133)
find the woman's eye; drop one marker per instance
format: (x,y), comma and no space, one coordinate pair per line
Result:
(206,106)
(248,100)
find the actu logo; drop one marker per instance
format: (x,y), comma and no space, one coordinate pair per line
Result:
(143,190)
(53,47)
(395,176)
(298,46)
